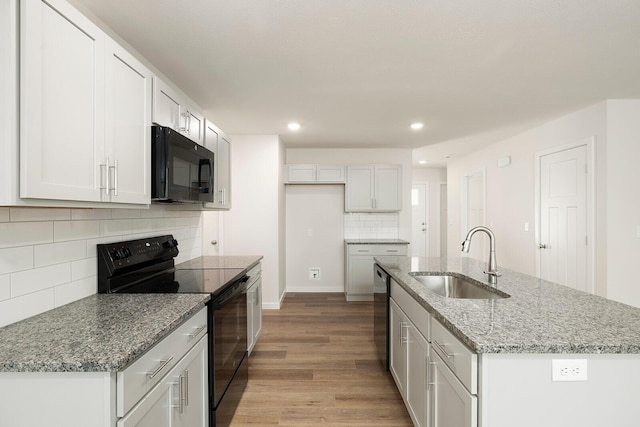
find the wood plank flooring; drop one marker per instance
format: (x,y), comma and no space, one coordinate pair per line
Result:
(315,363)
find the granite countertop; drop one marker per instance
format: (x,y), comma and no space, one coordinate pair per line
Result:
(220,262)
(100,333)
(375,242)
(539,317)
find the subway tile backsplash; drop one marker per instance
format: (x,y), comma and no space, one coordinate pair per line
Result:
(371,226)
(48,256)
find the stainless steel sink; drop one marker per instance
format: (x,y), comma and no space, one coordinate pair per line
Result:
(458,287)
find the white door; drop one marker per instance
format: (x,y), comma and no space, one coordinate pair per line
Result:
(419,223)
(563,217)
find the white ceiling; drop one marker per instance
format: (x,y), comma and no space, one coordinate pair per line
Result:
(357,73)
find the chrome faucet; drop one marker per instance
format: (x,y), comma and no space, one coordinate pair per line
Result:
(492,272)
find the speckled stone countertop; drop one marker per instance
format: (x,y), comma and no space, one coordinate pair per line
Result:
(100,333)
(375,242)
(539,317)
(220,262)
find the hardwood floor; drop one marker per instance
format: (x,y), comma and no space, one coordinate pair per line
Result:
(315,363)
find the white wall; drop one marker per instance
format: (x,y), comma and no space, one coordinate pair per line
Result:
(48,256)
(319,208)
(623,200)
(254,225)
(433,177)
(511,193)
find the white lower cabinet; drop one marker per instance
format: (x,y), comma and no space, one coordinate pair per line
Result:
(358,283)
(409,364)
(254,306)
(451,403)
(179,399)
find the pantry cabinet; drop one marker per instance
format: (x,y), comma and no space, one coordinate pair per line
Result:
(373,188)
(85,110)
(171,110)
(220,145)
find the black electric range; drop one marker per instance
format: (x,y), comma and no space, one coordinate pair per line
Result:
(147,266)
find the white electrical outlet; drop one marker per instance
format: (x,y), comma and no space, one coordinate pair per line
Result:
(569,369)
(314,274)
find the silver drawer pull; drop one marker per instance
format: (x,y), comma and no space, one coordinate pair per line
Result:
(392,250)
(197,331)
(163,363)
(363,250)
(442,350)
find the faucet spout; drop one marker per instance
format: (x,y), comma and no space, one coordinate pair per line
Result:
(492,271)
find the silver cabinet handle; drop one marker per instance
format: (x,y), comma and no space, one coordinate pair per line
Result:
(115,177)
(392,250)
(163,363)
(197,332)
(104,175)
(442,350)
(186,387)
(429,375)
(181,399)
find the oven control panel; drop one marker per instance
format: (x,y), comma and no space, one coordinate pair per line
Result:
(121,257)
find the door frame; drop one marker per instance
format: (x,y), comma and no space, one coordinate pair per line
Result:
(426,215)
(442,221)
(589,142)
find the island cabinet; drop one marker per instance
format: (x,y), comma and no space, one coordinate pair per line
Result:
(409,336)
(85,110)
(373,188)
(166,386)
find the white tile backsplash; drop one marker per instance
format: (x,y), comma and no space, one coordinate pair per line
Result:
(5,287)
(38,279)
(55,253)
(371,226)
(25,233)
(48,256)
(16,259)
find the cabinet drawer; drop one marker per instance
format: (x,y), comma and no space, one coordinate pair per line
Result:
(140,377)
(462,361)
(418,315)
(378,250)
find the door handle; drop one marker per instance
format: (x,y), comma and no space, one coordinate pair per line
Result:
(542,246)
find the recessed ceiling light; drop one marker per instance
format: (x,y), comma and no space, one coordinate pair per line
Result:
(294,126)
(422,162)
(416,126)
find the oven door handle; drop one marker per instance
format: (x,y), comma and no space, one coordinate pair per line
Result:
(239,287)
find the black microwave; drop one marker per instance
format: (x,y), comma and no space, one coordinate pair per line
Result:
(181,170)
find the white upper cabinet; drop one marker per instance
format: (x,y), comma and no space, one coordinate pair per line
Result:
(373,188)
(8,101)
(61,103)
(314,174)
(128,126)
(85,111)
(171,110)
(217,142)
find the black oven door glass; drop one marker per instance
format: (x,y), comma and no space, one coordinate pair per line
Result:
(229,336)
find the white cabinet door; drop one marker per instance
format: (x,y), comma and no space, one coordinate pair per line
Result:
(166,105)
(215,141)
(301,173)
(61,102)
(397,341)
(417,397)
(194,127)
(451,404)
(155,409)
(330,173)
(224,172)
(388,188)
(360,275)
(127,126)
(359,189)
(192,405)
(254,314)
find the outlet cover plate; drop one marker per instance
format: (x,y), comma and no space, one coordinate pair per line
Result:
(569,369)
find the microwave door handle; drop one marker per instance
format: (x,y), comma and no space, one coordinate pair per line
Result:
(202,163)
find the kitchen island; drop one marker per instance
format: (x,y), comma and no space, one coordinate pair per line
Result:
(546,355)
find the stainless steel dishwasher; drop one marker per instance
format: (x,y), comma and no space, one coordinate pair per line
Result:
(381,314)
